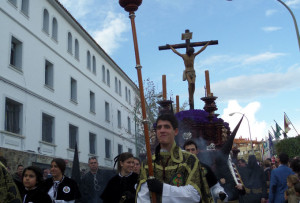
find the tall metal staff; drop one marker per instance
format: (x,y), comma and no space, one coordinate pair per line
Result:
(131,6)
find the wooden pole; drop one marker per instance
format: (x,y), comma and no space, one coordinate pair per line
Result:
(131,7)
(141,88)
(207,83)
(164,87)
(177,103)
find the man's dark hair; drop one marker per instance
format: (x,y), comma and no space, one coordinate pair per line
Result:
(168,117)
(92,157)
(190,142)
(283,158)
(267,163)
(20,165)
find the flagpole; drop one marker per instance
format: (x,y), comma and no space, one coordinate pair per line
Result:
(279,126)
(291,123)
(270,134)
(274,133)
(283,132)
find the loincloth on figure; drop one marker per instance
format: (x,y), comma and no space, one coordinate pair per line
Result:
(190,73)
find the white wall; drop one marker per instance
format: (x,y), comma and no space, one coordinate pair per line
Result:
(27,86)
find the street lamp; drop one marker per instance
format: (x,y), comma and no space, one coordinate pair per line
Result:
(231,114)
(294,19)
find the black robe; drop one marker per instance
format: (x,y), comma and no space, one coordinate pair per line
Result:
(67,190)
(120,186)
(36,196)
(254,180)
(223,171)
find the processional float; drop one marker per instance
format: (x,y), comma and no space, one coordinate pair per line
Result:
(211,133)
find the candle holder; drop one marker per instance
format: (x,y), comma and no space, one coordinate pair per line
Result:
(210,106)
(165,107)
(130,5)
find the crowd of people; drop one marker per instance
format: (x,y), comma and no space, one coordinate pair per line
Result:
(178,176)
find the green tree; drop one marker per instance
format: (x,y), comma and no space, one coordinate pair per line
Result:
(151,98)
(289,146)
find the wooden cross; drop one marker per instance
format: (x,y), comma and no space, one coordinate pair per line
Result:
(189,73)
(187,36)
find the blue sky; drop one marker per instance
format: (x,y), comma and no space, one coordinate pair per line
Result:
(255,68)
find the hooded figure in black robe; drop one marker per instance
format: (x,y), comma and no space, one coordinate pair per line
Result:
(254,181)
(224,170)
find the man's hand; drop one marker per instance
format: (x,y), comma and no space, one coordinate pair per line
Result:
(263,200)
(222,181)
(128,195)
(222,196)
(241,189)
(155,185)
(239,186)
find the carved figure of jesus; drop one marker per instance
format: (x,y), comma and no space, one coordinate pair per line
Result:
(189,73)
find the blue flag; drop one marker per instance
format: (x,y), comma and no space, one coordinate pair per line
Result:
(270,144)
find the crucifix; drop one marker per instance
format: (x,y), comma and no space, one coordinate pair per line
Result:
(189,58)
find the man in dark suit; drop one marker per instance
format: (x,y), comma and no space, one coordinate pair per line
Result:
(278,179)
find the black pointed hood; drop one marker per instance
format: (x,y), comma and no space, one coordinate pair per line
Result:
(228,144)
(76,168)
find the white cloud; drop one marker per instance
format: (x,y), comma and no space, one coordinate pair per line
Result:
(110,35)
(79,9)
(217,59)
(270,12)
(261,58)
(271,28)
(247,87)
(238,59)
(293,3)
(258,129)
(105,26)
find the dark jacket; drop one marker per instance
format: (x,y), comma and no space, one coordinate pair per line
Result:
(36,196)
(120,186)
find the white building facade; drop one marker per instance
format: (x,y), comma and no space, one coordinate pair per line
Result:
(58,87)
